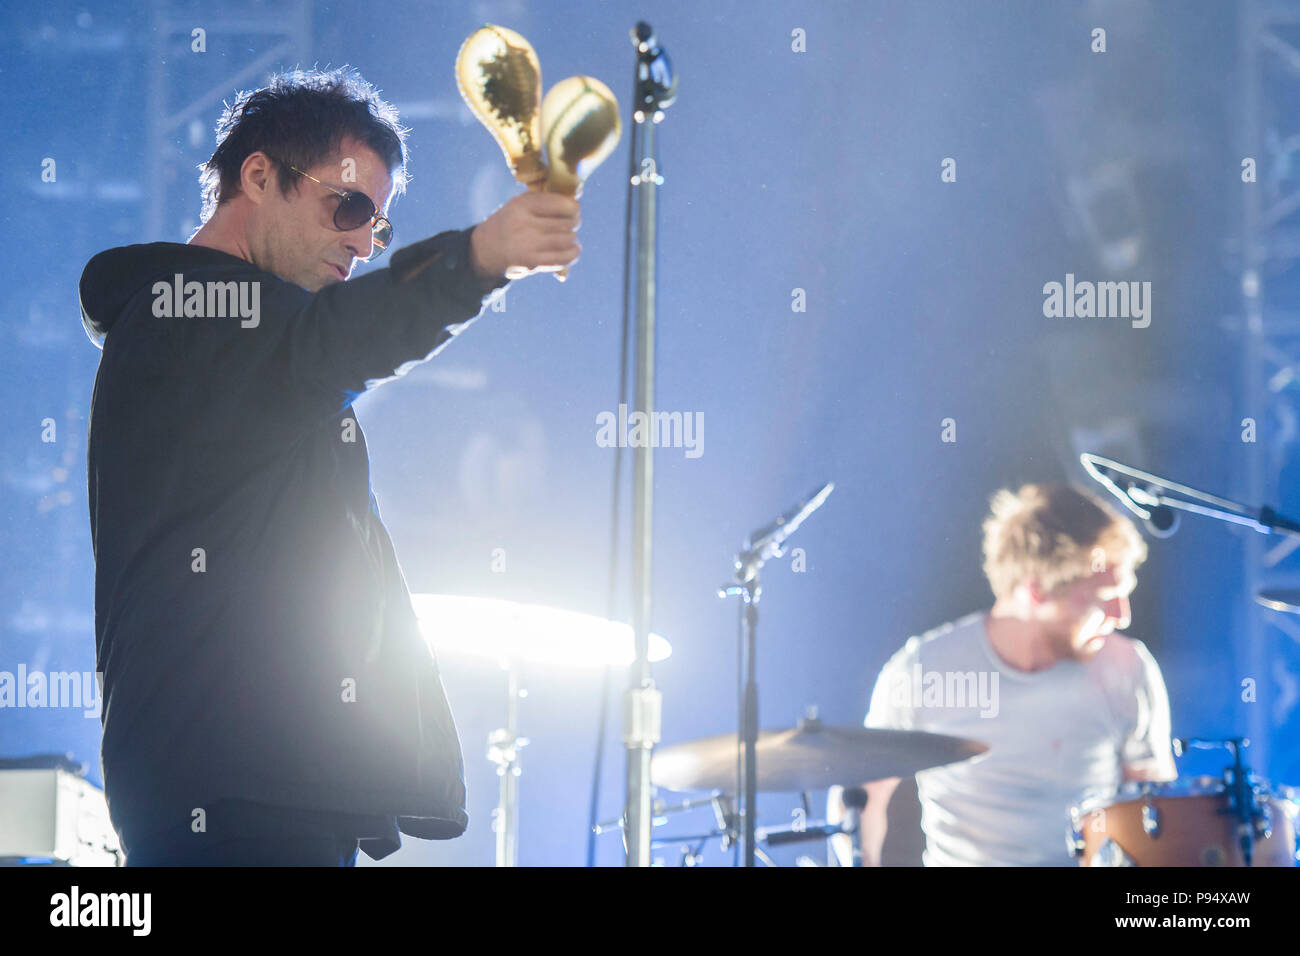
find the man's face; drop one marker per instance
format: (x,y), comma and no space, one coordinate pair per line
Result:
(1080,615)
(294,236)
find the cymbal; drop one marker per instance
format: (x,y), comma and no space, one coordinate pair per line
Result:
(510,631)
(1280,599)
(811,756)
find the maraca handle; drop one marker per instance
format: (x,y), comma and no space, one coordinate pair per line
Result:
(543,186)
(518,272)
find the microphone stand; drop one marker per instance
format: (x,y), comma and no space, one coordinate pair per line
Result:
(762,545)
(1148,492)
(656,88)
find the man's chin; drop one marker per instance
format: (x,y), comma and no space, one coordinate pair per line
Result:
(1090,648)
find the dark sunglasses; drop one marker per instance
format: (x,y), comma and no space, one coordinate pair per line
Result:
(354,211)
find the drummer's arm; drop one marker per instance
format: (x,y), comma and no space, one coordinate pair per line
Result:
(1151,736)
(874,822)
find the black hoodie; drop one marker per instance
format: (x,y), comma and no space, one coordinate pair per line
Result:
(252,624)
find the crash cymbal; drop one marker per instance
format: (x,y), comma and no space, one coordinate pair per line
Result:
(811,756)
(510,631)
(1280,599)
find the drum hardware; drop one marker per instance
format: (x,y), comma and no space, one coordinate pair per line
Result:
(1235,819)
(692,855)
(810,756)
(1242,790)
(1074,842)
(1112,854)
(727,817)
(855,801)
(1150,818)
(1286,600)
(758,548)
(723,813)
(504,745)
(511,634)
(659,811)
(728,826)
(786,835)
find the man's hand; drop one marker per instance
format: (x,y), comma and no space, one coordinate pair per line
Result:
(533,232)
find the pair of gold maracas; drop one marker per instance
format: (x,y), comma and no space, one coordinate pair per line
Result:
(576,125)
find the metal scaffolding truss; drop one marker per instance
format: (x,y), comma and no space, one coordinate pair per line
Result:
(186,89)
(1269,41)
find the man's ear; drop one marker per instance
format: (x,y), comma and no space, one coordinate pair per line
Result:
(1036,593)
(257,175)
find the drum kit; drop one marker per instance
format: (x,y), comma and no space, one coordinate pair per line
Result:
(810,756)
(1236,819)
(1233,820)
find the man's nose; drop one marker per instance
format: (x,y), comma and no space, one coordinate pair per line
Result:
(360,242)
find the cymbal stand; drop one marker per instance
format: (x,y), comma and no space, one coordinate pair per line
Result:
(759,547)
(504,745)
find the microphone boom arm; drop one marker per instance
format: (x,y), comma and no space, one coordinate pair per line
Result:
(1161,492)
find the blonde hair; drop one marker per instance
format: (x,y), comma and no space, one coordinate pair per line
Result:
(1054,534)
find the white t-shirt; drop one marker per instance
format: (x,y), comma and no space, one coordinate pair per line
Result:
(1052,735)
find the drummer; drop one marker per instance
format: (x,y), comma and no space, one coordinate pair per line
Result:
(1065,704)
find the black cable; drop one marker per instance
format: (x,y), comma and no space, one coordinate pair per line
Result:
(594,809)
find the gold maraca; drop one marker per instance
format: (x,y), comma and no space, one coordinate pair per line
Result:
(498,75)
(581,127)
(500,78)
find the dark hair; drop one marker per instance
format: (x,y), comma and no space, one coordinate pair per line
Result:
(299,119)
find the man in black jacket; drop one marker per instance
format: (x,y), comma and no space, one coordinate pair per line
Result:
(268,697)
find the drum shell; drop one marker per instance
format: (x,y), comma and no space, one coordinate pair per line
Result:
(1195,828)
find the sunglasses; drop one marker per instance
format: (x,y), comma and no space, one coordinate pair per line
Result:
(354,211)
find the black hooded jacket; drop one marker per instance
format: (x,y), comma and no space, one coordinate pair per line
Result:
(252,625)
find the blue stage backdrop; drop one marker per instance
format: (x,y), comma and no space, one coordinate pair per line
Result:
(862,204)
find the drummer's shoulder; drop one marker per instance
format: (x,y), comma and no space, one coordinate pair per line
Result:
(1124,649)
(955,633)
